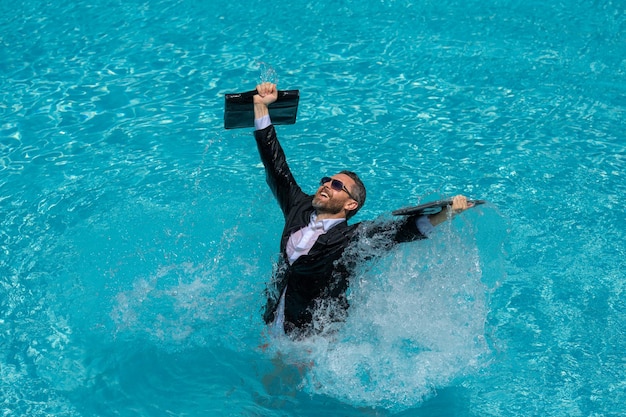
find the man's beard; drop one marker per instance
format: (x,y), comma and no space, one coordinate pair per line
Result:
(328,206)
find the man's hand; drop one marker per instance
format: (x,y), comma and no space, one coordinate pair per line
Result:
(267,94)
(459,204)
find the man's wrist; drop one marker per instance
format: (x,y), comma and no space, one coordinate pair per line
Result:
(260,110)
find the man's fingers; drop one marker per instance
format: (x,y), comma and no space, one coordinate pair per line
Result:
(459,203)
(265,88)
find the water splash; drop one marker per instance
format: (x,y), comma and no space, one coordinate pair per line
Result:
(416,324)
(268,73)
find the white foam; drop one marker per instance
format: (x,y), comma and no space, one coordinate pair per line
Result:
(416,323)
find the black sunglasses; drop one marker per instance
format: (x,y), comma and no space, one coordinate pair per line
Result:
(336,185)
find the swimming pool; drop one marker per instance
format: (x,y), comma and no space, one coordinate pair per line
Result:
(137,234)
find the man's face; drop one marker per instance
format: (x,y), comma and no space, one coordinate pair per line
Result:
(329,200)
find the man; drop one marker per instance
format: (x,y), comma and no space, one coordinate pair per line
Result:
(312,273)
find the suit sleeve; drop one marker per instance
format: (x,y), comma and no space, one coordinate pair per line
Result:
(278,175)
(383,235)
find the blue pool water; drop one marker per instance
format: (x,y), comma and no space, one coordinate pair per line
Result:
(137,234)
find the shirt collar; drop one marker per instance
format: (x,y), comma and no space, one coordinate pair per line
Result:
(326,223)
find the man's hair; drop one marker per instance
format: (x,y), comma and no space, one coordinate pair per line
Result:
(357,191)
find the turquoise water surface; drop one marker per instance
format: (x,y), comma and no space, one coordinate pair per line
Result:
(137,234)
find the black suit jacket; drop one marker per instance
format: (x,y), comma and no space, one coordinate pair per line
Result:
(321,275)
